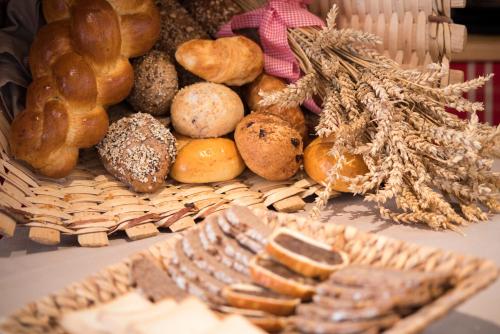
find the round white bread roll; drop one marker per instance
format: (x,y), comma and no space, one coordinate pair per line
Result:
(206,110)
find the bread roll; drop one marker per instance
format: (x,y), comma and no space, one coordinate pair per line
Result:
(317,163)
(155,84)
(266,83)
(138,150)
(233,61)
(206,110)
(207,160)
(270,147)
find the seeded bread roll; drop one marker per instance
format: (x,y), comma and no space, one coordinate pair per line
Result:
(267,83)
(177,27)
(155,84)
(270,146)
(212,14)
(138,150)
(206,110)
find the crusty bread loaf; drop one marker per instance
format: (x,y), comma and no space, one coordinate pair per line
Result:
(206,110)
(79,63)
(155,84)
(233,61)
(139,151)
(207,160)
(270,147)
(317,163)
(266,83)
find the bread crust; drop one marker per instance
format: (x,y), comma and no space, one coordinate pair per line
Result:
(270,146)
(233,61)
(279,284)
(236,296)
(317,163)
(300,263)
(79,67)
(206,110)
(207,160)
(267,83)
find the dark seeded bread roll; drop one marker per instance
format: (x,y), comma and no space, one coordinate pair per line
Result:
(138,150)
(212,14)
(270,146)
(177,27)
(155,84)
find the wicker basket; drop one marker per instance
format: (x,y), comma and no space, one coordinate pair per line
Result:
(90,204)
(470,275)
(414,32)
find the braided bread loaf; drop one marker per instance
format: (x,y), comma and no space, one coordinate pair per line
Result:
(79,62)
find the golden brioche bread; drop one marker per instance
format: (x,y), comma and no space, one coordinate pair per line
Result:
(267,83)
(317,163)
(79,62)
(233,61)
(206,160)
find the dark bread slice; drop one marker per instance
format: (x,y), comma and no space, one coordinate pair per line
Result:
(154,282)
(231,247)
(240,235)
(222,254)
(276,277)
(194,250)
(335,313)
(248,296)
(190,286)
(305,255)
(243,219)
(191,271)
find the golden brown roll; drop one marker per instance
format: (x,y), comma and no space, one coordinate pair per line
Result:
(270,146)
(207,160)
(317,163)
(267,83)
(233,61)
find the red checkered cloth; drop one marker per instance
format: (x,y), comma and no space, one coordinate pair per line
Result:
(273,21)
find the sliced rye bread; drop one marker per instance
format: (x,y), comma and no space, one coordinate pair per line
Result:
(249,296)
(305,255)
(275,276)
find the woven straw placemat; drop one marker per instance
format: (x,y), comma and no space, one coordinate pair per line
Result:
(90,204)
(469,275)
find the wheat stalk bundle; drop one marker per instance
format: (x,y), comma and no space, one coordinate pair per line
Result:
(435,167)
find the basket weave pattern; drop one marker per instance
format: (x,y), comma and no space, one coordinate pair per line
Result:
(469,275)
(91,204)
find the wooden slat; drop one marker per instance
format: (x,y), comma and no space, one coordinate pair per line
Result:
(142,231)
(98,239)
(291,204)
(7,225)
(45,236)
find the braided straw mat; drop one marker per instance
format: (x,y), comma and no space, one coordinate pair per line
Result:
(469,275)
(91,204)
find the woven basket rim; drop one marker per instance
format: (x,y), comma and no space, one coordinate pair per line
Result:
(472,274)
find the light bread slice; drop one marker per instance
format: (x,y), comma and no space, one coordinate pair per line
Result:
(305,255)
(249,296)
(88,321)
(118,322)
(275,276)
(261,319)
(235,324)
(190,317)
